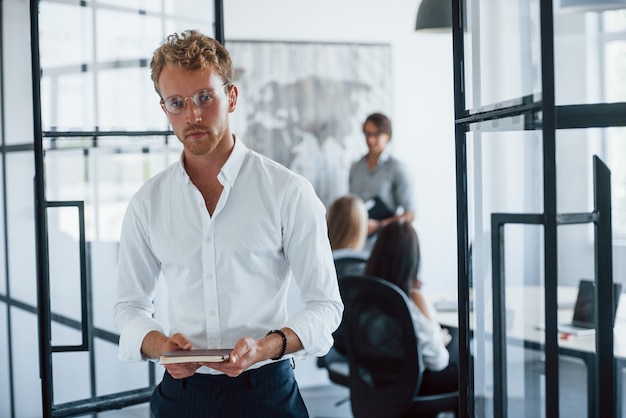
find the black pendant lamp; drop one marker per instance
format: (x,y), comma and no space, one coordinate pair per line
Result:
(434,16)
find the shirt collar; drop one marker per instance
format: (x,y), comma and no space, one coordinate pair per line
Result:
(181,167)
(230,170)
(384,156)
(228,173)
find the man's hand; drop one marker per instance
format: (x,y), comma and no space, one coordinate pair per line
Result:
(247,351)
(156,343)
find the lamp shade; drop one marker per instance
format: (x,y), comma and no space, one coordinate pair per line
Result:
(592,5)
(434,15)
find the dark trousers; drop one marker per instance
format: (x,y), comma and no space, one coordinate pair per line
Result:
(269,391)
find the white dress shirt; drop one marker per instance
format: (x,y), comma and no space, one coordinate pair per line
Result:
(228,274)
(429,339)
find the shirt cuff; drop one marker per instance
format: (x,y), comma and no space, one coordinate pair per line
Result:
(132,337)
(316,342)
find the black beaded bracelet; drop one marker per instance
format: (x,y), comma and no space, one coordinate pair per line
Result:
(284,337)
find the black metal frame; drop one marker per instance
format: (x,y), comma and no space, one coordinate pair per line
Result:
(10,371)
(601,367)
(45,316)
(539,113)
(85,288)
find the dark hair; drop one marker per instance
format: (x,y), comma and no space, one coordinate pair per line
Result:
(382,122)
(396,255)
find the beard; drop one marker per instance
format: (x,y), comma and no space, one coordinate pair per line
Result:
(204,136)
(198,139)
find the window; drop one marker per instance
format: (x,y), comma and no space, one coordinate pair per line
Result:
(613,41)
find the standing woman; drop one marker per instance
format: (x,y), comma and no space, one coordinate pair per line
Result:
(381,180)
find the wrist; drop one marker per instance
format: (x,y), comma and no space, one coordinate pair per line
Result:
(153,344)
(283,346)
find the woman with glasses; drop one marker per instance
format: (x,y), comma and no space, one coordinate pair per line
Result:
(380,179)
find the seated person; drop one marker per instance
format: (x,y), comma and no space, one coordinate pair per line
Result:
(395,257)
(347,227)
(347,231)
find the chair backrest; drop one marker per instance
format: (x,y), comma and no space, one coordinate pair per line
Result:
(385,362)
(350,266)
(353,265)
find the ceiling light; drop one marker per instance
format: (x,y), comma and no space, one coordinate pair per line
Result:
(434,16)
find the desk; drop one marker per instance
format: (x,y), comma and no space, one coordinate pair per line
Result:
(524,305)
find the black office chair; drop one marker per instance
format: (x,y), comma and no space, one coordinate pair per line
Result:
(336,362)
(384,360)
(350,266)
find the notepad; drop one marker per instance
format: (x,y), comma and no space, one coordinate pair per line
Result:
(377,209)
(204,355)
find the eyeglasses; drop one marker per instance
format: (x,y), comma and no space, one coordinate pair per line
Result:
(204,98)
(373,134)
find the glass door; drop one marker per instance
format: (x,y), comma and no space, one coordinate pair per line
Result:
(73,153)
(536,113)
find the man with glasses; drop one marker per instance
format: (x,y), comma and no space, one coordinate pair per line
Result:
(226,228)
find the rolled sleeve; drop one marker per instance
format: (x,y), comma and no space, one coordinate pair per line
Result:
(138,271)
(131,338)
(310,257)
(430,339)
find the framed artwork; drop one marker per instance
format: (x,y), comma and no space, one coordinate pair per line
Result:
(303,104)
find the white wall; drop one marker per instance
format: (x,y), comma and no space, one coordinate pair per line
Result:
(422,97)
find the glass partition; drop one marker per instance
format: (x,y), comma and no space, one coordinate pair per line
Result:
(104,134)
(502,51)
(594,44)
(536,206)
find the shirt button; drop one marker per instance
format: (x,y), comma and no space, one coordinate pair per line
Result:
(212,313)
(209,277)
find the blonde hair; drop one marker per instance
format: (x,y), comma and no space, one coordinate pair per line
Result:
(192,51)
(347,223)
